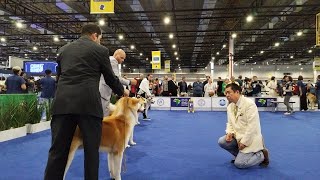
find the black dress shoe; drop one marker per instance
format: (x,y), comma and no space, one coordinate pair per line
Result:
(265,162)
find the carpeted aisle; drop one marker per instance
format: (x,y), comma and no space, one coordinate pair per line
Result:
(178,145)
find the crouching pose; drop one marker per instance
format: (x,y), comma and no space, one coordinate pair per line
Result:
(243,137)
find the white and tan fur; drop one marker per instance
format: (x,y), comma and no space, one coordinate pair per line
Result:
(312,99)
(116,131)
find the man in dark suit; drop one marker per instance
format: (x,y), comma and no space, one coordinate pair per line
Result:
(77,101)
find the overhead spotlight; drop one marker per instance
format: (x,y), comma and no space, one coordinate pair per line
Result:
(35,48)
(46,59)
(234,35)
(261,52)
(132,47)
(173,46)
(170,35)
(147,59)
(175,53)
(166,20)
(102,22)
(213,58)
(291,57)
(301,68)
(55,39)
(278,69)
(3,39)
(299,33)
(19,25)
(287,67)
(120,36)
(223,46)
(124,65)
(25,54)
(177,58)
(57,54)
(310,51)
(299,64)
(217,53)
(276,44)
(249,18)
(141,54)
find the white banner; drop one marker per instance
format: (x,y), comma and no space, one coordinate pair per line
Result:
(161,103)
(202,103)
(219,104)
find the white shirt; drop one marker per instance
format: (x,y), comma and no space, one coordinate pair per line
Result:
(144,87)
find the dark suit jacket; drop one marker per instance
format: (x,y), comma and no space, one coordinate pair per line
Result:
(80,65)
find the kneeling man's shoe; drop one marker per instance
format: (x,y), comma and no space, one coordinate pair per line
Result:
(265,162)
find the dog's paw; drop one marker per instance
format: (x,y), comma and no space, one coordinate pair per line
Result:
(133,143)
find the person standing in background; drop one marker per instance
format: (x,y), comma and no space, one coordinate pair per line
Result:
(272,85)
(15,84)
(318,91)
(302,93)
(287,92)
(48,89)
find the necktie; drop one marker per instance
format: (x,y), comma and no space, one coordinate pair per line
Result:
(235,111)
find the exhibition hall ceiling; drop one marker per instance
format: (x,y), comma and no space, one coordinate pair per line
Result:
(194,33)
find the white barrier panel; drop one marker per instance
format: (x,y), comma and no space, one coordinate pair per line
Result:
(202,103)
(219,104)
(296,105)
(161,103)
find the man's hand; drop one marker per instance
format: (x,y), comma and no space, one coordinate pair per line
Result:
(133,82)
(241,146)
(126,92)
(229,137)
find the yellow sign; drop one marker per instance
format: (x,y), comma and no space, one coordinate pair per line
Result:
(101,6)
(318,29)
(167,65)
(156,59)
(316,64)
(156,65)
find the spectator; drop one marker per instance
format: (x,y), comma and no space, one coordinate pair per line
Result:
(15,84)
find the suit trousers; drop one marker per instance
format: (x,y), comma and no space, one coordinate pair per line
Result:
(243,160)
(62,131)
(303,102)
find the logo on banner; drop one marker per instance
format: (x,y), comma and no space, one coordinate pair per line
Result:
(222,102)
(201,102)
(160,102)
(264,102)
(179,102)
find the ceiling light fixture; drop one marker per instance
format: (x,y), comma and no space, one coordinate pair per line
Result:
(261,52)
(120,36)
(176,53)
(55,39)
(141,54)
(276,44)
(19,25)
(310,51)
(174,46)
(132,47)
(234,35)
(166,20)
(3,39)
(170,35)
(102,22)
(35,48)
(299,33)
(249,18)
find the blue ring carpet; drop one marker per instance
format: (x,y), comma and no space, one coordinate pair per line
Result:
(178,145)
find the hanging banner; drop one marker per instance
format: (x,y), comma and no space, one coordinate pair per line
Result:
(167,65)
(156,59)
(318,29)
(101,6)
(316,64)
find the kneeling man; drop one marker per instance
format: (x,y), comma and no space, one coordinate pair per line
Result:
(243,137)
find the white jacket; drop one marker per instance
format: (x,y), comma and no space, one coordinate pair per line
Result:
(245,125)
